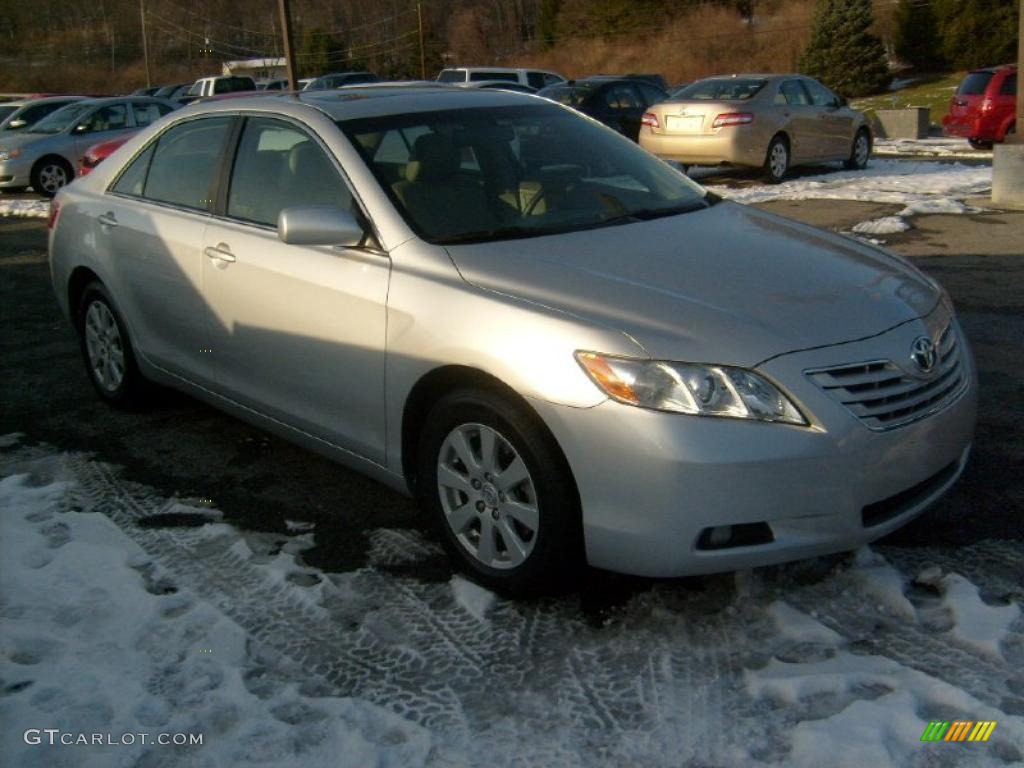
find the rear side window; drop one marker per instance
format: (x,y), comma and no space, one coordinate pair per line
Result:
(477,77)
(1009,86)
(133,178)
(974,84)
(279,166)
(536,79)
(621,96)
(186,161)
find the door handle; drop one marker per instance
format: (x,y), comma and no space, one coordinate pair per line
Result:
(220,252)
(108,219)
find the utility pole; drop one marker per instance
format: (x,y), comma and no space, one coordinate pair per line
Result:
(289,50)
(423,56)
(145,45)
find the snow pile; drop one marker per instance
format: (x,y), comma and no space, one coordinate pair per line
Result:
(27,208)
(886,225)
(944,146)
(474,599)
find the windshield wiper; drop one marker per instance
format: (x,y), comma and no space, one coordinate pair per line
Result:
(647,214)
(499,233)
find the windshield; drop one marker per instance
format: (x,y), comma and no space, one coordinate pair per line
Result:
(451,76)
(497,173)
(62,119)
(6,112)
(721,89)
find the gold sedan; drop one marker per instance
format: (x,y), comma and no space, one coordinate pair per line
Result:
(761,121)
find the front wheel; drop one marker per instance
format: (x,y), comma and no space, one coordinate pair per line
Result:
(500,494)
(50,175)
(860,151)
(776,162)
(108,351)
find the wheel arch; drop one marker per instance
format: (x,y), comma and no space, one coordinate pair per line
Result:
(80,278)
(434,385)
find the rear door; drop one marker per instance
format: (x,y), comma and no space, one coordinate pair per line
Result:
(299,331)
(152,225)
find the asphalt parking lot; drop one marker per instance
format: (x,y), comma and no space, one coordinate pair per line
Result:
(185,449)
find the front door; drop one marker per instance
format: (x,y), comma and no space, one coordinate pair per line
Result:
(299,331)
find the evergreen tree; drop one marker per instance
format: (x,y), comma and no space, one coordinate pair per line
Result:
(842,52)
(978,33)
(916,34)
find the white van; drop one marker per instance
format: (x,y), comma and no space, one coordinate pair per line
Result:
(211,86)
(535,78)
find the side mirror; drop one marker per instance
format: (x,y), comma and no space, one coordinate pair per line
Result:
(319,225)
(81,128)
(15,124)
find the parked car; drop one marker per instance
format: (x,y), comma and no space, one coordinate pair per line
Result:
(46,156)
(654,79)
(502,85)
(97,153)
(535,78)
(147,91)
(340,80)
(169,91)
(762,121)
(984,108)
(213,86)
(275,85)
(22,115)
(618,102)
(560,345)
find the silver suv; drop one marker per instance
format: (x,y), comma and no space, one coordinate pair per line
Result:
(563,347)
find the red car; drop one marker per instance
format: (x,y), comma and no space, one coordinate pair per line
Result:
(97,153)
(984,107)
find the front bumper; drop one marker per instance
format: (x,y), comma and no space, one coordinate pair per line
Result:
(651,483)
(735,145)
(15,172)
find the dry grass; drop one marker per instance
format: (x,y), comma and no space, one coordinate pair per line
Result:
(704,41)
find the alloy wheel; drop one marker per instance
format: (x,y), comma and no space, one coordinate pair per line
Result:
(488,496)
(860,150)
(778,161)
(52,178)
(104,346)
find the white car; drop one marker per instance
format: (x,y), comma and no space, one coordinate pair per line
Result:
(535,78)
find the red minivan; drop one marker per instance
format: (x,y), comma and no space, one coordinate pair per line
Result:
(984,106)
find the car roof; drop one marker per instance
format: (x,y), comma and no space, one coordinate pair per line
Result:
(370,100)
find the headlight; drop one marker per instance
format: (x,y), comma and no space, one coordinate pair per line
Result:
(9,154)
(702,390)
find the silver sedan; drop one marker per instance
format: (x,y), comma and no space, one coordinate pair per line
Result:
(564,348)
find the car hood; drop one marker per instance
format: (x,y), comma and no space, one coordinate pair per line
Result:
(728,284)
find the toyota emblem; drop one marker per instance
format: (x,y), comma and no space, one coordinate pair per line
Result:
(923,353)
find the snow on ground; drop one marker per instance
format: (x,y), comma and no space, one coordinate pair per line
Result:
(922,187)
(113,627)
(933,146)
(28,208)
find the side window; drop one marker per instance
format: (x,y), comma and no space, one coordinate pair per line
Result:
(146,113)
(621,96)
(185,162)
(794,94)
(279,166)
(133,178)
(820,95)
(536,80)
(550,79)
(110,118)
(651,94)
(1009,87)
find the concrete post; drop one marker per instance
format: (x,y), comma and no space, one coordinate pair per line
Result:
(1008,158)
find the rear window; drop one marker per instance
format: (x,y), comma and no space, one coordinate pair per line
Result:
(974,84)
(477,77)
(1009,87)
(722,89)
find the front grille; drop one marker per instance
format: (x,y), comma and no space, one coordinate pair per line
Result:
(884,396)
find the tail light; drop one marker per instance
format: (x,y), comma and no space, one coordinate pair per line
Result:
(51,220)
(650,120)
(987,105)
(732,118)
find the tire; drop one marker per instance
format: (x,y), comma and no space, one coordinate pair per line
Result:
(776,159)
(521,539)
(978,144)
(50,174)
(107,351)
(860,151)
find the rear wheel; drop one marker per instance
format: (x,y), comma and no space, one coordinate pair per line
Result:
(499,492)
(860,151)
(50,175)
(776,162)
(107,350)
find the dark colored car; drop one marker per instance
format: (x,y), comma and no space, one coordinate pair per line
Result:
(168,91)
(984,107)
(145,91)
(340,79)
(618,102)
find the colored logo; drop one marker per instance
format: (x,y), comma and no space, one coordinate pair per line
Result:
(958,730)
